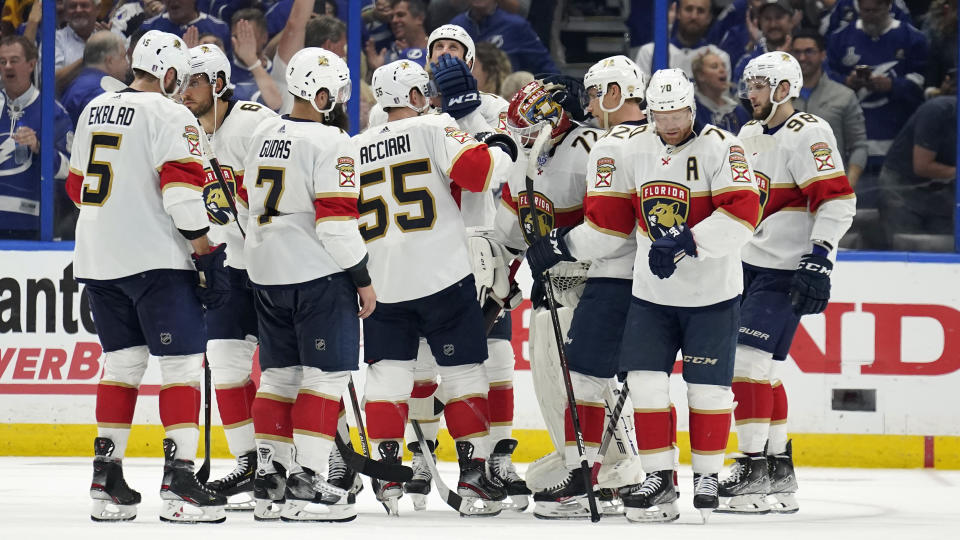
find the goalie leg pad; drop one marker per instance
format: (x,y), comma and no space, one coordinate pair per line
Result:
(180,401)
(315,416)
(710,407)
(117,394)
(545,369)
(754,397)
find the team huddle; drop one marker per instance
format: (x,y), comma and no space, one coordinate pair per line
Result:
(647,235)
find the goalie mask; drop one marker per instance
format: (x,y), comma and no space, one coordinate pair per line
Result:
(532,109)
(770,69)
(314,69)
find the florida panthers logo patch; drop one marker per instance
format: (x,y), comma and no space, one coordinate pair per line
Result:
(664,205)
(192,136)
(545,215)
(218,208)
(605,168)
(822,156)
(347,173)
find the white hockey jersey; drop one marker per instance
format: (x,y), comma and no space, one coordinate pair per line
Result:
(135,170)
(804,191)
(302,191)
(705,183)
(231,144)
(408,215)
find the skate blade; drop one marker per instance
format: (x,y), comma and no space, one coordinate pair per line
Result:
(391,505)
(267,510)
(565,510)
(611,508)
(178,511)
(297,511)
(241,502)
(419,501)
(104,510)
(783,503)
(663,513)
(516,503)
(744,504)
(476,507)
(705,514)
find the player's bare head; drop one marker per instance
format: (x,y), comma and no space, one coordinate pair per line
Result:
(320,77)
(162,56)
(402,84)
(209,79)
(671,105)
(770,81)
(611,83)
(453,40)
(533,109)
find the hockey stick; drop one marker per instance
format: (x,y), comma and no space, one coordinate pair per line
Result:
(371,467)
(533,160)
(203,474)
(362,430)
(611,429)
(452,499)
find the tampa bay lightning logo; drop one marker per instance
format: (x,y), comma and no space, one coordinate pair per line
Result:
(8,161)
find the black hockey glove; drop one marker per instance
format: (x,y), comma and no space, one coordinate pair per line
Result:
(569,93)
(457,86)
(546,252)
(666,251)
(499,140)
(810,289)
(214,288)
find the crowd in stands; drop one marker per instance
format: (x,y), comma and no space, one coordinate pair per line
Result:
(881,72)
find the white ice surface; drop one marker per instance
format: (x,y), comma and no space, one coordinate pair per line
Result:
(46,498)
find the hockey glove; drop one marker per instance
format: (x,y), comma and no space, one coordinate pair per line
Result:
(214,288)
(546,252)
(810,289)
(499,140)
(667,250)
(569,93)
(456,85)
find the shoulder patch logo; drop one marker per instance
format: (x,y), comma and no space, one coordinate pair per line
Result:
(665,205)
(738,165)
(822,156)
(457,135)
(605,168)
(347,172)
(192,136)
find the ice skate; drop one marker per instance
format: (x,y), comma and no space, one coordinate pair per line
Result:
(566,500)
(237,486)
(389,493)
(269,485)
(113,500)
(310,498)
(342,476)
(419,487)
(653,501)
(783,482)
(745,490)
(503,471)
(705,496)
(609,502)
(185,500)
(474,485)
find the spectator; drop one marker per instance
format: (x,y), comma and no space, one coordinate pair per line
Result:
(918,178)
(776,21)
(845,12)
(291,40)
(376,21)
(105,54)
(883,60)
(328,32)
(688,39)
(367,101)
(182,15)
(251,70)
(20,146)
(491,67)
(410,33)
(128,18)
(15,13)
(735,31)
(81,17)
(211,39)
(941,30)
(514,82)
(484,21)
(714,103)
(832,101)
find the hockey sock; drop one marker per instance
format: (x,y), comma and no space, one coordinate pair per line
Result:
(230,365)
(592,415)
(710,408)
(272,409)
(117,394)
(388,387)
(650,394)
(315,416)
(180,401)
(499,370)
(778,421)
(754,397)
(467,411)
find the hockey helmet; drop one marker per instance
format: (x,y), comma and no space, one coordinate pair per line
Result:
(209,60)
(772,68)
(670,90)
(616,69)
(392,83)
(531,109)
(455,33)
(157,52)
(313,69)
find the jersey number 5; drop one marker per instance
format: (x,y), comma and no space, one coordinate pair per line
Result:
(101,169)
(378,207)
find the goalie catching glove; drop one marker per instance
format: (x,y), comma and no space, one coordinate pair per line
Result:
(489,260)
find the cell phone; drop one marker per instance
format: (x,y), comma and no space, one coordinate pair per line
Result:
(863,71)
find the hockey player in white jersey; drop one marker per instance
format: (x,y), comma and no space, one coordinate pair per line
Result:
(615,87)
(690,196)
(807,206)
(231,328)
(136,174)
(307,262)
(408,169)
